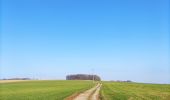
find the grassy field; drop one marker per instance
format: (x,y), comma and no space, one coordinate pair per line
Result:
(134,91)
(41,90)
(58,90)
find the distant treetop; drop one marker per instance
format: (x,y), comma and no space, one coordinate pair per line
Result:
(83,77)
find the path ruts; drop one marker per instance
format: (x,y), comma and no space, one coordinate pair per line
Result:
(91,94)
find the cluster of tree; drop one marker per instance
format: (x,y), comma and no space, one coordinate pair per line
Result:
(83,77)
(16,79)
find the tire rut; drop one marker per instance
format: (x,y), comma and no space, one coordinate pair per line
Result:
(91,94)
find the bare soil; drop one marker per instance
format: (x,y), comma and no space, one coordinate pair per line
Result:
(91,94)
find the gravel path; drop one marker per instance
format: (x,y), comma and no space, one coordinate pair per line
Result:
(91,94)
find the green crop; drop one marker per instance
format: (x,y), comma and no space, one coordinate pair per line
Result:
(134,91)
(42,90)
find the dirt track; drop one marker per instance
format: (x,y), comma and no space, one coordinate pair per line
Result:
(91,94)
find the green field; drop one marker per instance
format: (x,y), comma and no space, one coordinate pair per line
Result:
(134,91)
(42,90)
(58,90)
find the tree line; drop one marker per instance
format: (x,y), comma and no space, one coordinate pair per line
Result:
(83,77)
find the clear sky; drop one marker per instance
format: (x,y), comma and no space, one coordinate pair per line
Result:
(118,39)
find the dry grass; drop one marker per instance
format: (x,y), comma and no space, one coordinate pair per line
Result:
(10,81)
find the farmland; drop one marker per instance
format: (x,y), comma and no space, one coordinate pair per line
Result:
(61,89)
(134,91)
(42,90)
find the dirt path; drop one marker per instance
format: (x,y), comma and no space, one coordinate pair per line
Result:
(95,95)
(91,94)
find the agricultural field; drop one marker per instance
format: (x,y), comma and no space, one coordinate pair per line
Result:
(59,90)
(42,90)
(134,91)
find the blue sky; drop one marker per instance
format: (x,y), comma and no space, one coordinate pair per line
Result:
(119,39)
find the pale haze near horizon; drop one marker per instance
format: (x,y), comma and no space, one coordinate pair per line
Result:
(119,40)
